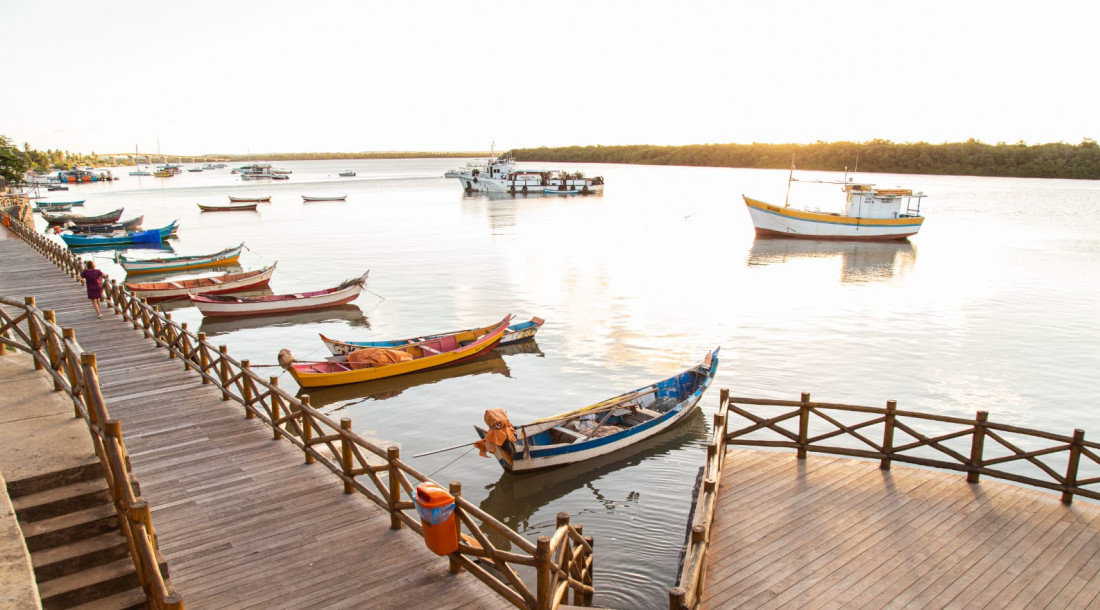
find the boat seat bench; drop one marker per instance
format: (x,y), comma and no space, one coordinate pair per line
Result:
(576,436)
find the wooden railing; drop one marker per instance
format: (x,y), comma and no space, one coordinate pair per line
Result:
(977,447)
(74,372)
(536,576)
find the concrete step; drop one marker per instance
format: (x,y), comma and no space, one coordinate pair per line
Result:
(61,500)
(56,531)
(131,599)
(84,472)
(87,585)
(80,555)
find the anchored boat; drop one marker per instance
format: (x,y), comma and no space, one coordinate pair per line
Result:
(514,334)
(499,175)
(870,213)
(217,305)
(597,429)
(220,284)
(178,263)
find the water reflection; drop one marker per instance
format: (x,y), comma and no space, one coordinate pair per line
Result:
(343,396)
(860,261)
(515,499)
(348,314)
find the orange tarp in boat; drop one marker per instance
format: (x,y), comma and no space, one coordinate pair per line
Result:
(500,430)
(376,356)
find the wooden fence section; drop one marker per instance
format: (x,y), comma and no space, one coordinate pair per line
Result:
(976,447)
(527,575)
(74,372)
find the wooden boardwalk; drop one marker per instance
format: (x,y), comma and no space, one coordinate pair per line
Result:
(829,532)
(242,521)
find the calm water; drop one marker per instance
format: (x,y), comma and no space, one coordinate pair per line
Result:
(995,305)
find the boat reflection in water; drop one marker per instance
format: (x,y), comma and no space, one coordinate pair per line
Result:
(342,396)
(860,261)
(515,498)
(348,314)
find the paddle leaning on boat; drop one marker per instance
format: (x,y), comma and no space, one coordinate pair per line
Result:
(135,266)
(513,334)
(379,362)
(216,305)
(597,429)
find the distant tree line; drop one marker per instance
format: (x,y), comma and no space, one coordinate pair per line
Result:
(970,158)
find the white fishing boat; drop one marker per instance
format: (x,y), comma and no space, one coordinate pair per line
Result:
(256,171)
(870,213)
(500,175)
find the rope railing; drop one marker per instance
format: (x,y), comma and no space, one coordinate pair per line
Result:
(977,447)
(554,564)
(74,372)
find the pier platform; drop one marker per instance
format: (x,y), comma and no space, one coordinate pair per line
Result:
(835,532)
(242,521)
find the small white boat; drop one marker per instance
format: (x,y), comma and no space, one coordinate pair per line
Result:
(324,197)
(214,305)
(178,289)
(870,213)
(597,429)
(347,174)
(264,199)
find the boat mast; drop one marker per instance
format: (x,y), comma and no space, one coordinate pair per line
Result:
(786,200)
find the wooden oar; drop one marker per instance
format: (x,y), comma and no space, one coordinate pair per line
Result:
(445,449)
(599,406)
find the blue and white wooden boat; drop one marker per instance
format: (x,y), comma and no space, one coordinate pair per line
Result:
(513,334)
(128,237)
(597,429)
(135,266)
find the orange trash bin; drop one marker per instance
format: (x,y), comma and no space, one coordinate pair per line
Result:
(437,515)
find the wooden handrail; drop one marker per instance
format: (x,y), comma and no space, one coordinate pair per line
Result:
(975,460)
(348,456)
(56,351)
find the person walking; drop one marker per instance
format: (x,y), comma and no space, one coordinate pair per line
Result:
(92,279)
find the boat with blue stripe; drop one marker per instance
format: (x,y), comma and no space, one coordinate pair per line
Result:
(154,236)
(597,429)
(515,333)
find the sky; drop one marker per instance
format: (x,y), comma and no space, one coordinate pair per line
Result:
(201,77)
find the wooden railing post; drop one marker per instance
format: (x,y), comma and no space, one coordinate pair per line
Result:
(543,594)
(69,334)
(676,598)
(392,454)
(169,334)
(803,425)
(246,389)
(586,597)
(455,488)
(87,359)
(204,360)
(307,429)
(55,358)
(345,452)
(1071,468)
(888,434)
(29,302)
(223,370)
(977,447)
(183,347)
(275,414)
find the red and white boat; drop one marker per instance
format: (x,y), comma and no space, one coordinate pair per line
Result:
(220,284)
(216,305)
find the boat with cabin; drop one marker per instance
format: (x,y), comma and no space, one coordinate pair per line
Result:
(598,429)
(870,213)
(500,175)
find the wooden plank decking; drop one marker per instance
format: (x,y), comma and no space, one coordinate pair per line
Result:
(242,521)
(829,532)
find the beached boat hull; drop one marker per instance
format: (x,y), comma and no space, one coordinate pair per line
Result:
(233,199)
(179,263)
(280,303)
(777,221)
(664,403)
(427,355)
(513,334)
(221,284)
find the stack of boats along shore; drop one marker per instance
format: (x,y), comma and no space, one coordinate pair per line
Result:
(563,438)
